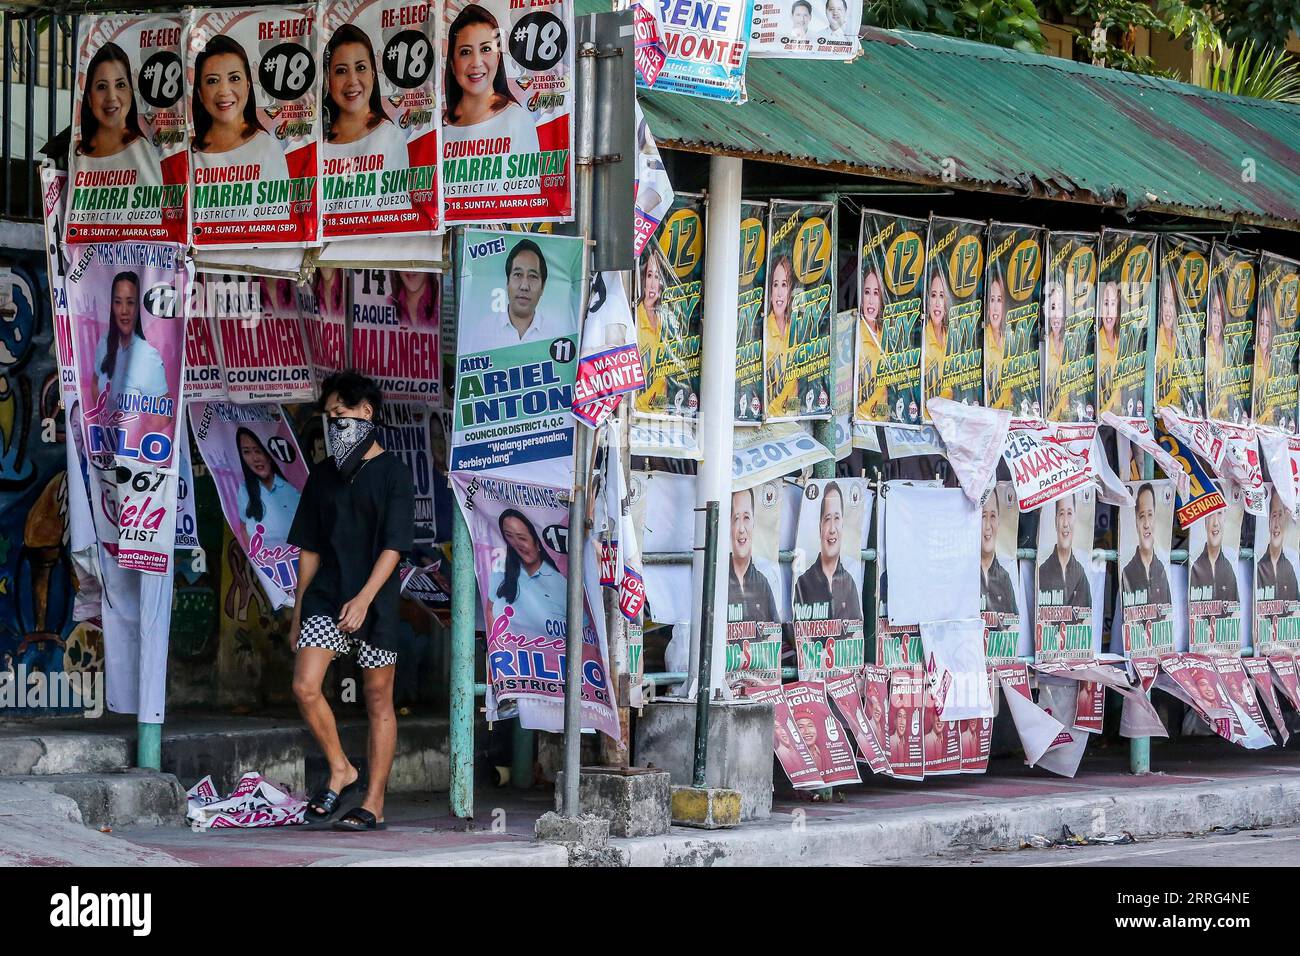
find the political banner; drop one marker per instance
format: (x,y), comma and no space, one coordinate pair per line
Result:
(187,526)
(520,534)
(707,46)
(1180,325)
(868,732)
(821,732)
(126,303)
(1001,596)
(508,139)
(326,321)
(254,122)
(770,451)
(956,670)
(787,742)
(1013,321)
(1275,383)
(1194,679)
(750,314)
(941,746)
(145,500)
(827,572)
(405,429)
(1246,707)
(1070,328)
(670,312)
(906,738)
(800,309)
(1126,316)
(1230,334)
(396,333)
(754,572)
(129,162)
(1042,467)
(602,379)
(753,657)
(897,645)
(54,198)
(1146,596)
(261,340)
(1277,594)
(259,471)
(1063,625)
(380,119)
(654,191)
(204,379)
(891,264)
(806,29)
(519,298)
(1213,600)
(1201,496)
(954,305)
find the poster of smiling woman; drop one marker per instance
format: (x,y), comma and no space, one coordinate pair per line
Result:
(128,161)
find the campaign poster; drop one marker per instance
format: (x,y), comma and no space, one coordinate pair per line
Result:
(942,738)
(520,534)
(754,574)
(1277,595)
(787,742)
(753,657)
(405,430)
(1145,534)
(844,330)
(325,319)
(1000,582)
(1070,333)
(204,379)
(516,351)
(1126,316)
(1276,385)
(1013,324)
(707,46)
(906,738)
(1180,325)
(396,333)
(891,264)
(259,472)
(54,193)
(867,733)
(827,572)
(1213,598)
(806,29)
(507,153)
(129,162)
(954,305)
(1230,334)
(1042,465)
(800,309)
(897,645)
(822,732)
(261,339)
(750,314)
(380,118)
(670,313)
(254,123)
(1063,625)
(126,303)
(654,191)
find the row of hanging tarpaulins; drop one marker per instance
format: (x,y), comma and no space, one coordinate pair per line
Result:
(289,126)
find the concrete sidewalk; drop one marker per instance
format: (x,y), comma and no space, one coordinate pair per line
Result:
(1204,784)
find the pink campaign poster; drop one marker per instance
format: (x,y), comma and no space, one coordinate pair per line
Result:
(260,473)
(54,187)
(396,333)
(822,734)
(324,318)
(260,336)
(203,376)
(906,713)
(791,752)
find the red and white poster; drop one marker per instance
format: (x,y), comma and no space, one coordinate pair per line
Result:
(54,192)
(905,727)
(325,320)
(1042,468)
(254,120)
(260,338)
(791,752)
(396,333)
(128,159)
(942,744)
(868,733)
(821,732)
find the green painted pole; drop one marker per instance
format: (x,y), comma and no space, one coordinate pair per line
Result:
(464,591)
(148,746)
(1139,748)
(521,757)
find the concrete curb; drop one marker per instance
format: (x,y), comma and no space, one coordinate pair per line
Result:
(507,854)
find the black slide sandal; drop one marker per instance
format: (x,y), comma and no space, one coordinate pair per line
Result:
(322,807)
(365,820)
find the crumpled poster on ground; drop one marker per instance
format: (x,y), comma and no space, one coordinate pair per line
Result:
(255,802)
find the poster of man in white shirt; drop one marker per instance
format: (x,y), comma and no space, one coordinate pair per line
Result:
(806,29)
(516,315)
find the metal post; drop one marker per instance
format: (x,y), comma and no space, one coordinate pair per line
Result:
(521,756)
(1139,748)
(148,746)
(464,591)
(705,694)
(824,432)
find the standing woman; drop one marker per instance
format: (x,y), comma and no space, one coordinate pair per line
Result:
(479,102)
(265,498)
(995,343)
(417,301)
(936,335)
(782,389)
(1054,347)
(227,131)
(1108,344)
(650,333)
(111,137)
(124,359)
(357,124)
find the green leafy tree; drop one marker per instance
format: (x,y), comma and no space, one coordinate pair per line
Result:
(1250,70)
(1009,23)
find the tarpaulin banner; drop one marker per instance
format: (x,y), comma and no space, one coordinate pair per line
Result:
(1069,334)
(800,309)
(821,732)
(804,30)
(1001,594)
(1277,338)
(707,45)
(827,571)
(1277,594)
(955,669)
(868,732)
(650,54)
(602,378)
(146,500)
(396,333)
(508,139)
(753,657)
(126,302)
(1213,600)
(259,472)
(519,298)
(906,739)
(381,118)
(754,574)
(1237,682)
(187,525)
(1194,679)
(954,305)
(769,451)
(931,553)
(654,192)
(1180,325)
(1063,627)
(1202,496)
(1126,314)
(844,329)
(670,312)
(405,429)
(520,534)
(1261,675)
(942,739)
(891,266)
(1145,536)
(974,439)
(204,379)
(129,158)
(1230,334)
(897,645)
(261,339)
(54,197)
(750,313)
(1042,468)
(791,752)
(1013,326)
(254,142)
(326,321)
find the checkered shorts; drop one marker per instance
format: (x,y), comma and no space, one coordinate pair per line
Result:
(321,631)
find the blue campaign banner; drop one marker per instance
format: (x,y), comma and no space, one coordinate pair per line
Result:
(707,42)
(1204,497)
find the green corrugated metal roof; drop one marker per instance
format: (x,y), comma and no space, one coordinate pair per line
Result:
(1009,122)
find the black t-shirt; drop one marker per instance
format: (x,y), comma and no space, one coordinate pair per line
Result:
(349,525)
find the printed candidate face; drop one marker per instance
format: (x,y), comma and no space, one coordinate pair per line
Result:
(835,13)
(742,524)
(1110,307)
(989,527)
(871,298)
(524,285)
(807,730)
(652,285)
(781,288)
(251,452)
(1216,314)
(938,307)
(519,537)
(224,88)
(1146,522)
(1065,522)
(1214,530)
(110,95)
(126,307)
(801,15)
(1168,306)
(997,304)
(476,58)
(351,78)
(832,523)
(1056,309)
(1276,522)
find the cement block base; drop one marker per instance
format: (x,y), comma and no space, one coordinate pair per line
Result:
(705,808)
(635,801)
(117,799)
(588,830)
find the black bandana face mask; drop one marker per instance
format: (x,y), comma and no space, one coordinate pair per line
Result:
(348,440)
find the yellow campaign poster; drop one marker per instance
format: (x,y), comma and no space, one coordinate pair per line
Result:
(954,303)
(1230,334)
(1069,340)
(1013,281)
(891,267)
(1180,325)
(1276,384)
(749,313)
(1126,310)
